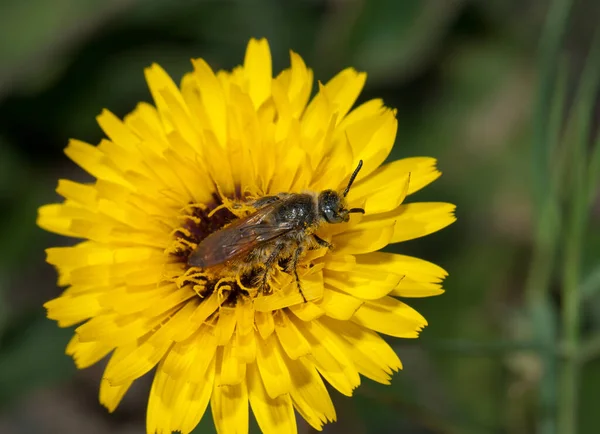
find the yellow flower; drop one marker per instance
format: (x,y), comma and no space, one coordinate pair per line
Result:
(171,174)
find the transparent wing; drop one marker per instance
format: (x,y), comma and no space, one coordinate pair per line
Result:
(238,239)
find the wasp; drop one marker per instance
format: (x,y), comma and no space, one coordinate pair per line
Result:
(280,230)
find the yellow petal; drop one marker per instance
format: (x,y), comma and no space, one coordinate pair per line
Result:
(245,317)
(309,395)
(386,200)
(185,126)
(178,405)
(257,68)
(72,310)
(373,357)
(93,161)
(296,170)
(205,309)
(160,84)
(145,122)
(190,358)
(192,405)
(86,354)
(375,152)
(316,123)
(354,283)
(271,366)
(342,91)
(331,360)
(289,295)
(372,139)
(414,268)
(366,110)
(391,317)
(307,311)
(149,352)
(337,262)
(274,416)
(297,81)
(111,396)
(339,305)
(245,347)
(233,370)
(143,299)
(118,329)
(292,341)
(213,98)
(117,131)
(264,324)
(344,88)
(420,219)
(49,218)
(335,167)
(360,240)
(412,220)
(226,324)
(284,110)
(420,278)
(229,405)
(422,172)
(81,193)
(410,288)
(158,413)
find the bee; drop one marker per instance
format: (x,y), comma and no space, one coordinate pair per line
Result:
(281,229)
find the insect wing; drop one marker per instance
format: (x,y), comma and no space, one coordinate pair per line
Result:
(238,239)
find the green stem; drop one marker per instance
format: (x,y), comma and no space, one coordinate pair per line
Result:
(578,206)
(547,216)
(550,44)
(542,314)
(571,300)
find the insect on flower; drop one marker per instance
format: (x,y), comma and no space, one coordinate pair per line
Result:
(282,228)
(222,246)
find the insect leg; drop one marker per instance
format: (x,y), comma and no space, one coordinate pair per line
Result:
(321,242)
(270,262)
(294,265)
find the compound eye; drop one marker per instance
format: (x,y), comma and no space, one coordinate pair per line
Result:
(330,216)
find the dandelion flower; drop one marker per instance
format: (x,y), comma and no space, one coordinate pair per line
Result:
(197,161)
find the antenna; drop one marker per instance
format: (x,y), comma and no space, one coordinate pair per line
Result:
(360,210)
(353,177)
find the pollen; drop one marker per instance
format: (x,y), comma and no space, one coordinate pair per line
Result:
(197,222)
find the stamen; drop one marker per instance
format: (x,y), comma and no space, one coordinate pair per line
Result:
(190,207)
(238,280)
(189,218)
(199,290)
(183,230)
(220,207)
(221,284)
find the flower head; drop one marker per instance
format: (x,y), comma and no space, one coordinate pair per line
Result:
(196,258)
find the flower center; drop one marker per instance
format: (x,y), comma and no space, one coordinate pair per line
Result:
(198,221)
(231,281)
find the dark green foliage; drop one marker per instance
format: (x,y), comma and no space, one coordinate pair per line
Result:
(474,87)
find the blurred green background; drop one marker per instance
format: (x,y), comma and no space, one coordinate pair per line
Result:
(477,84)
